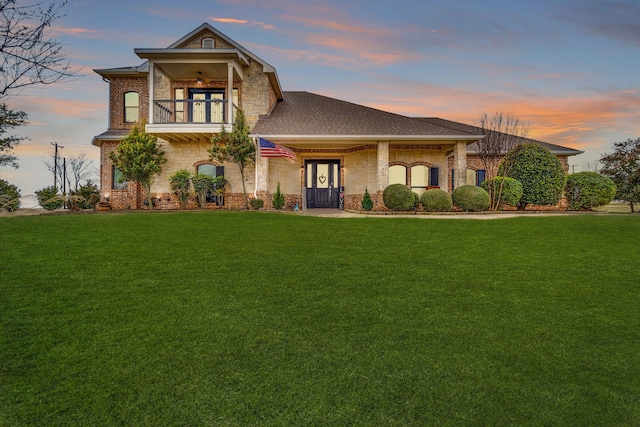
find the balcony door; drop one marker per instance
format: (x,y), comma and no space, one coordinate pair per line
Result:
(207,105)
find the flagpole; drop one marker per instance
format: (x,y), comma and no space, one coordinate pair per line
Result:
(255,182)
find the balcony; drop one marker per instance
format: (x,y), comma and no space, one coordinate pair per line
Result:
(190,120)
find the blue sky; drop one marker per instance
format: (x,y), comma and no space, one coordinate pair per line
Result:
(566,68)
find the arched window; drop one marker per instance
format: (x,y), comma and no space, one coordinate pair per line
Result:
(116,179)
(419,178)
(397,174)
(131,107)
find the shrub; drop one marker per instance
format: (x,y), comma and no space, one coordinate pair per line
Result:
(49,198)
(416,200)
(201,185)
(470,198)
(367,203)
(540,172)
(510,193)
(180,183)
(278,198)
(436,200)
(398,197)
(256,203)
(87,196)
(9,196)
(586,190)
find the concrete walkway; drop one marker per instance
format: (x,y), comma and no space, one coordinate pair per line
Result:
(335,213)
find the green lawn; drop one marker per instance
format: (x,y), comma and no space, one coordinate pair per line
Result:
(250,318)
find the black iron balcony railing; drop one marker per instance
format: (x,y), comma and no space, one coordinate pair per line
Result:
(212,111)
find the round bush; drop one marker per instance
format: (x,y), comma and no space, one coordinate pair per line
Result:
(256,203)
(436,200)
(510,194)
(470,198)
(398,197)
(49,198)
(586,190)
(540,172)
(9,196)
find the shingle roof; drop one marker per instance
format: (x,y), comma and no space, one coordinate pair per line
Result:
(304,113)
(473,148)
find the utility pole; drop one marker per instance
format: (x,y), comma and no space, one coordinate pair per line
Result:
(55,166)
(64,182)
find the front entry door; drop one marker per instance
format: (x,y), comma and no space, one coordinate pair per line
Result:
(323,183)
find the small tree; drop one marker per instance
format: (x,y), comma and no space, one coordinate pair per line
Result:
(235,147)
(180,183)
(367,203)
(139,158)
(540,172)
(502,132)
(9,196)
(623,167)
(201,185)
(278,198)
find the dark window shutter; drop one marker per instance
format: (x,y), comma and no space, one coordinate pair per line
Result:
(481,176)
(219,170)
(433,176)
(453,178)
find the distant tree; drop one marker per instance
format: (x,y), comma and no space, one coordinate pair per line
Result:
(623,167)
(79,169)
(29,55)
(235,147)
(502,132)
(9,196)
(10,119)
(540,172)
(139,158)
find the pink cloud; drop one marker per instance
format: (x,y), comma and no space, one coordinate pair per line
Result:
(243,22)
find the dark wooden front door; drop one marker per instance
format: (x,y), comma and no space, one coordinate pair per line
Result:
(323,183)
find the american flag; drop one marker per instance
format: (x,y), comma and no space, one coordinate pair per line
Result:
(269,149)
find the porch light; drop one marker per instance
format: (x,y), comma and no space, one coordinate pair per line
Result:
(199,78)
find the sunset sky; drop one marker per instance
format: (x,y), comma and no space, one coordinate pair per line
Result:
(570,69)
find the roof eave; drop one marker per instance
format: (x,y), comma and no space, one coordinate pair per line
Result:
(453,138)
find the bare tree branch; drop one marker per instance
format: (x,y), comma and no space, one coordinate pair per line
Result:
(29,55)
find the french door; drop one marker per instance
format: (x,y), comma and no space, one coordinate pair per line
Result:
(207,106)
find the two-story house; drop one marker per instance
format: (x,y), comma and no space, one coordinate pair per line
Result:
(187,92)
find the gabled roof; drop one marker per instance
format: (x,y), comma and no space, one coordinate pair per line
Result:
(473,148)
(308,115)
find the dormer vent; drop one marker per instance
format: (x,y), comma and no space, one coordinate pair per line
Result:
(208,43)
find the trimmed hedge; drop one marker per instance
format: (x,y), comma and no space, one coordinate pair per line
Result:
(587,190)
(510,194)
(540,172)
(367,203)
(436,200)
(470,198)
(398,197)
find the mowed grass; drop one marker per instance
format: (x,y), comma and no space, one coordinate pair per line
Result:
(249,318)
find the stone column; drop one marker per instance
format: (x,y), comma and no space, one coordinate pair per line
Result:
(460,164)
(383,165)
(151,91)
(230,93)
(262,174)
